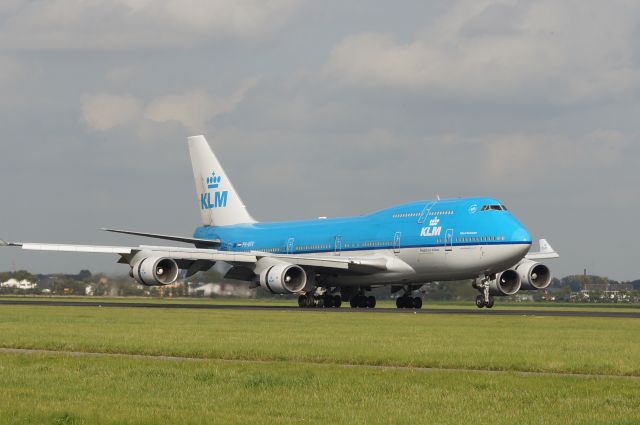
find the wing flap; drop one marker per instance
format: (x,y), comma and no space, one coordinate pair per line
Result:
(200,243)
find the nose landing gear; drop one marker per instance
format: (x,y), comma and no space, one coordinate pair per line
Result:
(484,299)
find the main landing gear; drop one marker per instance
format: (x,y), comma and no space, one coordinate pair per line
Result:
(360,300)
(325,300)
(484,299)
(407,301)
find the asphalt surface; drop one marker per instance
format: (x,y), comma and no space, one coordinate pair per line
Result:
(496,311)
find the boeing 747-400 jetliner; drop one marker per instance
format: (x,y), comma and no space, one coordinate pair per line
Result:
(328,261)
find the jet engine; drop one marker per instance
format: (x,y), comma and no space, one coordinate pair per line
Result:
(283,278)
(533,275)
(505,283)
(155,271)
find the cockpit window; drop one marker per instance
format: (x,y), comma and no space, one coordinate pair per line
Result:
(493,207)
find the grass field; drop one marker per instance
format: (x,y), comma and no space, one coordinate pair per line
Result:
(237,366)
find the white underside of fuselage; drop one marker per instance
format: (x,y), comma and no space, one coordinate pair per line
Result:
(428,264)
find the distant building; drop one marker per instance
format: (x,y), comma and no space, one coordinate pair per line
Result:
(220,290)
(23,284)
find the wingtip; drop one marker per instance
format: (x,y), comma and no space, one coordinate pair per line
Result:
(196,138)
(5,243)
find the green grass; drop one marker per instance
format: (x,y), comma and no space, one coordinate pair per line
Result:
(55,389)
(530,343)
(297,366)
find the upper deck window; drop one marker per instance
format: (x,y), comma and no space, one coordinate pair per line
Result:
(493,207)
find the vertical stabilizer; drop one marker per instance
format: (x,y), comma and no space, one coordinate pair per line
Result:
(219,202)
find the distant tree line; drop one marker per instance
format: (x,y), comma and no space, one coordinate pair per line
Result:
(87,284)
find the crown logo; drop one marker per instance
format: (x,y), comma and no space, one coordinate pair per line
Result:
(213,181)
(434,222)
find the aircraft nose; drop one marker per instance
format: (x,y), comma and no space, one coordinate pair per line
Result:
(520,234)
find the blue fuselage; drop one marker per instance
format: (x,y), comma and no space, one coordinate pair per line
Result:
(422,224)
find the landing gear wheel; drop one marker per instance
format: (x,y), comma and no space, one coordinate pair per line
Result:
(337,301)
(417,302)
(490,303)
(480,301)
(371,302)
(400,302)
(302,301)
(362,301)
(328,301)
(311,302)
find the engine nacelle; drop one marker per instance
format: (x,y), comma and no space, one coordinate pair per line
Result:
(283,278)
(155,271)
(506,283)
(533,275)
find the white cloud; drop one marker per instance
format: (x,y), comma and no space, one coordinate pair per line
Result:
(105,111)
(562,52)
(195,108)
(192,109)
(127,24)
(533,157)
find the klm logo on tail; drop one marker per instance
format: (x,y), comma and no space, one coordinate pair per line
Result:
(219,196)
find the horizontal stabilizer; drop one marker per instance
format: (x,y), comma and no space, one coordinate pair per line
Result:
(546,252)
(199,243)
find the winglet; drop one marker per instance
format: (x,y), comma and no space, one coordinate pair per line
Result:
(545,246)
(5,243)
(546,251)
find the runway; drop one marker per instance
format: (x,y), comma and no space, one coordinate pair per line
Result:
(496,311)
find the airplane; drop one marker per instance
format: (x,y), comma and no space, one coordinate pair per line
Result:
(328,261)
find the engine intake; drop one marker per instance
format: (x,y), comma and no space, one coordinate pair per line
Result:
(533,275)
(283,279)
(506,283)
(155,271)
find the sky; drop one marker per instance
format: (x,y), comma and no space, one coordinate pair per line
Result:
(325,108)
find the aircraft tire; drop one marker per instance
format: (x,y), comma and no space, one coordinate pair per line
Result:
(400,302)
(417,302)
(302,301)
(353,302)
(337,301)
(490,303)
(479,301)
(371,302)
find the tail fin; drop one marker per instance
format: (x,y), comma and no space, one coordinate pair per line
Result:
(219,202)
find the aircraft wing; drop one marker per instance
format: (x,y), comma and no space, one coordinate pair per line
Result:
(546,252)
(199,243)
(186,257)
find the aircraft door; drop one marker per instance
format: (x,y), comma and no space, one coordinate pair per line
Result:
(448,241)
(396,242)
(290,244)
(338,245)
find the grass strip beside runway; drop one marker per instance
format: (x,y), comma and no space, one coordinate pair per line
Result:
(510,343)
(61,389)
